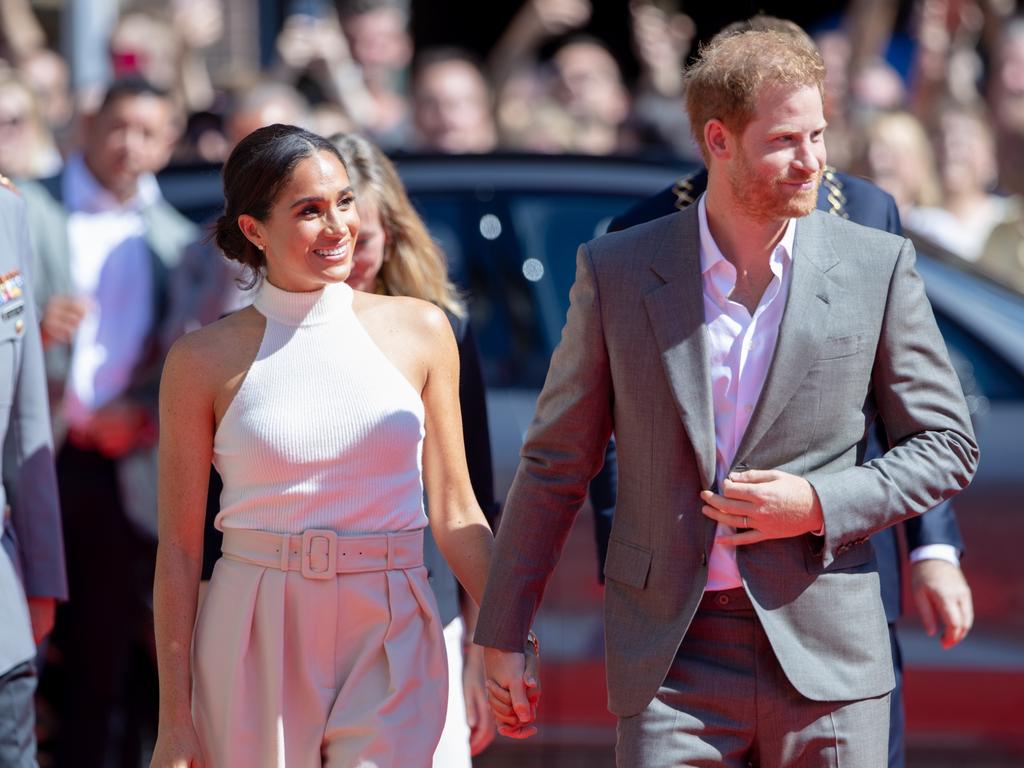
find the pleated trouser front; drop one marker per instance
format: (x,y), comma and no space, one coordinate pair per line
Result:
(347,672)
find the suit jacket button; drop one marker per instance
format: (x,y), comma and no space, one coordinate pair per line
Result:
(19,326)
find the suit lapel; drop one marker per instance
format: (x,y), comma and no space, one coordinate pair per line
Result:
(802,330)
(676,313)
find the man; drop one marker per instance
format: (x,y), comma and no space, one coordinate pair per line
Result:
(104,254)
(934,544)
(33,548)
(739,363)
(452,104)
(933,539)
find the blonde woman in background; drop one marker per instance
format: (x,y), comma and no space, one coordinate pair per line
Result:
(898,157)
(396,256)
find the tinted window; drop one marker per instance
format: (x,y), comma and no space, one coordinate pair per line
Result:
(983,373)
(515,256)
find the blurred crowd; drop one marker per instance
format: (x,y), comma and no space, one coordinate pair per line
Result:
(942,128)
(929,104)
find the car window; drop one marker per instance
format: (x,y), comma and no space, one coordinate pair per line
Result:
(514,254)
(984,375)
(484,261)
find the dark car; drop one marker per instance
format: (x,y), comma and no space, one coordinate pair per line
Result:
(510,226)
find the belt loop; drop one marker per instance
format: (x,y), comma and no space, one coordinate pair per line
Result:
(286,549)
(391,551)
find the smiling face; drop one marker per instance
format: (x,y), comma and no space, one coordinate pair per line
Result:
(370,248)
(774,166)
(309,235)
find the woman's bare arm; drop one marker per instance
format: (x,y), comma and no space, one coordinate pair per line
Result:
(458,525)
(186,446)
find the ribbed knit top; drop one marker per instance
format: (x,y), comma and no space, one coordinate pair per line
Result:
(324,432)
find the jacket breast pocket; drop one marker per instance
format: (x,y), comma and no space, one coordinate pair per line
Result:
(842,346)
(627,563)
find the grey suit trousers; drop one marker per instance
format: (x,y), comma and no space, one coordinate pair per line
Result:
(727,702)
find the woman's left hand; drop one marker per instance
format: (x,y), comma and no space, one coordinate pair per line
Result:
(478,713)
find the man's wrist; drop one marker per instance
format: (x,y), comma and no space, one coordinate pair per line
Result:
(946,552)
(533,643)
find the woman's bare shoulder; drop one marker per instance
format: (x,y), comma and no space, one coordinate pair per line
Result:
(216,351)
(414,316)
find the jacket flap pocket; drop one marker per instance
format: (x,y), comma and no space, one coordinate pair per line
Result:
(843,346)
(627,563)
(852,556)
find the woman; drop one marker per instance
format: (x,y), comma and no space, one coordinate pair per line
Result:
(318,642)
(395,256)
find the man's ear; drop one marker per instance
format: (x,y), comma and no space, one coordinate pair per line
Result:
(718,139)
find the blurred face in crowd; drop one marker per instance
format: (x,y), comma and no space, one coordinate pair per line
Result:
(131,136)
(453,109)
(47,75)
(590,83)
(379,40)
(15,129)
(274,110)
(370,248)
(309,234)
(965,152)
(835,53)
(899,160)
(140,44)
(1008,82)
(774,166)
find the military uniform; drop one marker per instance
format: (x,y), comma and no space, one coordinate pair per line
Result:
(32,561)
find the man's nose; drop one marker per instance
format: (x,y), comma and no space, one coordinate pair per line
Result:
(811,156)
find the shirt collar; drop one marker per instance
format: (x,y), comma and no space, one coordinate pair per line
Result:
(83,192)
(712,260)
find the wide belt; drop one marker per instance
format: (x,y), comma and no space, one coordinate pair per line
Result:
(322,554)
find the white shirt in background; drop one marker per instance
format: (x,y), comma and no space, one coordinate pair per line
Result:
(111,268)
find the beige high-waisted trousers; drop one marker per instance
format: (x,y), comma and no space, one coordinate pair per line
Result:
(319,650)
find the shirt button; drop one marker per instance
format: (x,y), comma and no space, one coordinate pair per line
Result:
(748,408)
(722,599)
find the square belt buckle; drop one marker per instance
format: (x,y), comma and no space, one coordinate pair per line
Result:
(319,554)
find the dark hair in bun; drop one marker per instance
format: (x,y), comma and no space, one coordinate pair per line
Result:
(254,174)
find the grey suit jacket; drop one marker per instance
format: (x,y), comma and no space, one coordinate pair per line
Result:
(168,233)
(857,339)
(35,533)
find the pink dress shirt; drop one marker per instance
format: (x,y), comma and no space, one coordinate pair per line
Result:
(740,350)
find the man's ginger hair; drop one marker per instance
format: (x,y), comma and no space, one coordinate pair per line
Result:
(730,72)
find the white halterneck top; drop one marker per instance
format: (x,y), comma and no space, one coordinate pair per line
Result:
(324,432)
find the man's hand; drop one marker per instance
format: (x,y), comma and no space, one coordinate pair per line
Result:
(61,317)
(478,713)
(942,594)
(42,611)
(513,690)
(769,503)
(556,17)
